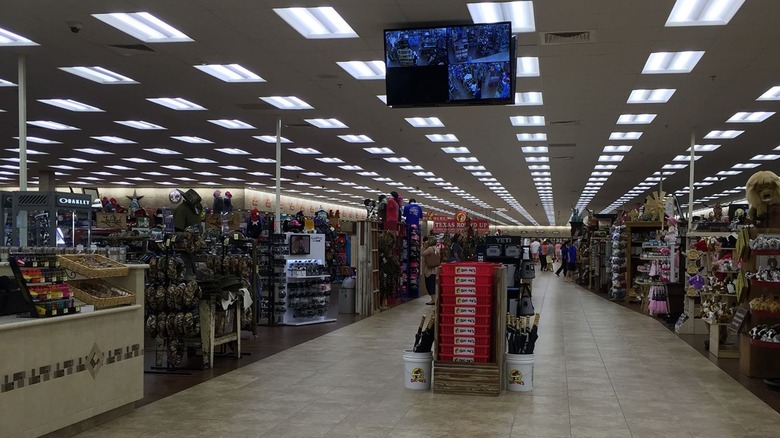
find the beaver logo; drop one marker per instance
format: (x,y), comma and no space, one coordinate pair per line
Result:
(516,377)
(418,376)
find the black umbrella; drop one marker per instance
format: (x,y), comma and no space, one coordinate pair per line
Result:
(534,335)
(426,337)
(419,331)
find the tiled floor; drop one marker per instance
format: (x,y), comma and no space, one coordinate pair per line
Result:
(601,371)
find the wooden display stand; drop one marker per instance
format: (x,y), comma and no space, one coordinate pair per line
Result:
(367,299)
(486,379)
(211,336)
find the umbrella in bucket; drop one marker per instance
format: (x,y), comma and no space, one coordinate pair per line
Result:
(419,331)
(521,334)
(426,337)
(533,336)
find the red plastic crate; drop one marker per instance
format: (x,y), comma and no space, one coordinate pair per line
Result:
(467,280)
(464,350)
(479,289)
(468,268)
(460,300)
(464,340)
(464,320)
(466,310)
(454,358)
(467,330)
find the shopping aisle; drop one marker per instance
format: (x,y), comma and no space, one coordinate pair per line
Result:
(601,371)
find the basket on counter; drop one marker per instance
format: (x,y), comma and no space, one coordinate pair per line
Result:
(92,265)
(86,291)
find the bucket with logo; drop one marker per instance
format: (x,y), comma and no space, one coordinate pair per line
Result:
(417,369)
(519,372)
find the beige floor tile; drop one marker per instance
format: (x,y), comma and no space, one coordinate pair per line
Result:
(289,430)
(541,425)
(343,431)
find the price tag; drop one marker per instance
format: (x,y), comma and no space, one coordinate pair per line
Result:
(739,319)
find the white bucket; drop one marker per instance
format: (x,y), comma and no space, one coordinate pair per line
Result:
(519,372)
(417,369)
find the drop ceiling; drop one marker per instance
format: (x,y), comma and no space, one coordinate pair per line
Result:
(585,87)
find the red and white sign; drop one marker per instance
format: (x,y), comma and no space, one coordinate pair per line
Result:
(443,224)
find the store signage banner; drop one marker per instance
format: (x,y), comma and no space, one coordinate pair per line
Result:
(452,225)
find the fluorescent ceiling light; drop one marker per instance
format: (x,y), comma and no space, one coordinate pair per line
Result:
(539,167)
(686,158)
(231,167)
(536,136)
(635,119)
(425,122)
(470,168)
(232,151)
(104,173)
(139,124)
(286,102)
(191,139)
(99,74)
(625,135)
(455,150)
(771,94)
(258,174)
(232,124)
(660,95)
(610,158)
(382,97)
(316,23)
(617,149)
(40,140)
(48,124)
(176,103)
(113,139)
(397,160)
(767,157)
(313,174)
(721,135)
(674,166)
(412,167)
(185,178)
(527,66)
(351,138)
(540,174)
(601,173)
(750,117)
(229,73)
(34,152)
(442,138)
(534,149)
(704,147)
(349,167)
(326,123)
(364,70)
(162,151)
(77,160)
(271,138)
(537,159)
(672,62)
(200,160)
(288,167)
(71,105)
(305,151)
(91,151)
(527,120)
(520,13)
(426,174)
(59,166)
(382,179)
(175,167)
(119,167)
(728,172)
(529,98)
(139,160)
(466,160)
(379,151)
(703,12)
(10,39)
(144,26)
(330,160)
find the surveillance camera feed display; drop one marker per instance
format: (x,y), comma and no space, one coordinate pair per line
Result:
(455,65)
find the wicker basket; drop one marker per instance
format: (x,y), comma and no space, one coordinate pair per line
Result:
(77,264)
(99,303)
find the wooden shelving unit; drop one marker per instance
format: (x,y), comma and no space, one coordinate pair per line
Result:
(367,298)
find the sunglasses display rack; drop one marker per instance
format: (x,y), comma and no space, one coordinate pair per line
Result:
(302,283)
(410,262)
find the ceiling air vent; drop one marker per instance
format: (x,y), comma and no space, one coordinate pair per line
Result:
(577,37)
(131,49)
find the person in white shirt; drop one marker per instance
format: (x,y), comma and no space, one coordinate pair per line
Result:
(535,250)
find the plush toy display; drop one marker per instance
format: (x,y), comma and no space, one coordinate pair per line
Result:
(227,205)
(218,203)
(761,191)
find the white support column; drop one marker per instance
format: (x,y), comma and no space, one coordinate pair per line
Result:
(691,179)
(278,210)
(22,80)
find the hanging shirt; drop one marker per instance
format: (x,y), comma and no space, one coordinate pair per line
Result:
(413,213)
(572,254)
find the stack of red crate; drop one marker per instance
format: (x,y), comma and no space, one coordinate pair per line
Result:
(466,311)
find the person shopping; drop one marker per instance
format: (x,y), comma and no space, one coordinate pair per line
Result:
(572,261)
(431,261)
(564,260)
(543,255)
(550,256)
(456,250)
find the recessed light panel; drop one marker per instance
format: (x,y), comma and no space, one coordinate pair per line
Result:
(91,151)
(455,150)
(139,160)
(349,167)
(704,148)
(144,26)
(625,135)
(39,140)
(119,167)
(529,98)
(271,138)
(721,135)
(610,158)
(442,138)
(230,73)
(382,97)
(232,151)
(71,105)
(466,160)
(703,12)
(330,160)
(364,70)
(191,139)
(771,94)
(175,167)
(534,149)
(326,123)
(99,74)
(537,159)
(397,160)
(201,160)
(527,120)
(671,62)
(113,139)
(232,124)
(139,124)
(686,158)
(264,160)
(356,138)
(748,117)
(520,13)
(162,151)
(316,23)
(660,95)
(286,102)
(379,151)
(536,136)
(635,119)
(56,126)
(527,66)
(4,83)
(305,151)
(425,122)
(767,157)
(176,103)
(617,149)
(231,167)
(10,39)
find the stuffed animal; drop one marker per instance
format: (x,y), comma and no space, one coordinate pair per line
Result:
(717,212)
(227,205)
(218,202)
(761,191)
(107,206)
